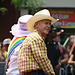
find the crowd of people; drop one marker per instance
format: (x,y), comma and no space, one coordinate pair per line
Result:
(36,47)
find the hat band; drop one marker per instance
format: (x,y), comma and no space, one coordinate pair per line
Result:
(23,26)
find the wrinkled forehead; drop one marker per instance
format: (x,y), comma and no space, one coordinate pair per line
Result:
(45,20)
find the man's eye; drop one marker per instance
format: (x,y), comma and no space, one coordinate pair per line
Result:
(48,23)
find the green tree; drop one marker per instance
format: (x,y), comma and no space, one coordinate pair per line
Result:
(3,9)
(32,5)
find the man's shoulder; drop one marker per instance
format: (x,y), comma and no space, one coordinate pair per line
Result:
(34,35)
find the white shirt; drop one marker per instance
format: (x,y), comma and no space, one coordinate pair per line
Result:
(12,65)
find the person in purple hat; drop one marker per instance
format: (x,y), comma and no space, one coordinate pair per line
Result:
(20,32)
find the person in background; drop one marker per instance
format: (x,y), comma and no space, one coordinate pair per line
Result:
(32,56)
(0,53)
(4,48)
(72,37)
(3,53)
(55,50)
(64,54)
(0,57)
(20,32)
(6,43)
(72,58)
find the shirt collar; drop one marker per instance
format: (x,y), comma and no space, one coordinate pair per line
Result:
(39,34)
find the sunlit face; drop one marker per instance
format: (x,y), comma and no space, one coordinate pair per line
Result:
(43,26)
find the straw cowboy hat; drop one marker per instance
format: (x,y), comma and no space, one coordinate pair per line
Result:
(20,28)
(43,14)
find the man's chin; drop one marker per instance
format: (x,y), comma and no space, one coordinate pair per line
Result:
(47,32)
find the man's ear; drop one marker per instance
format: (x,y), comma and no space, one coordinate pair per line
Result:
(36,24)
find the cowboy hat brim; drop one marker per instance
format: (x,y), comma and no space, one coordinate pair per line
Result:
(32,20)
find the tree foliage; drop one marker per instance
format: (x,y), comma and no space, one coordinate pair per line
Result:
(34,4)
(3,9)
(19,3)
(30,4)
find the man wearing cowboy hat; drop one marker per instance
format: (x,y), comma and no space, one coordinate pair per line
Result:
(32,56)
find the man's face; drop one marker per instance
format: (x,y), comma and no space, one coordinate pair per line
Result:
(44,26)
(3,49)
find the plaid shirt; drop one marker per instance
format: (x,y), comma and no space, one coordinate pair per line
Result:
(33,55)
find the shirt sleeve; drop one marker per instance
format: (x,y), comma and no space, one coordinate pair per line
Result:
(39,51)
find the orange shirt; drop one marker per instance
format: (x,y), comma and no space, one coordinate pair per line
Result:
(73,47)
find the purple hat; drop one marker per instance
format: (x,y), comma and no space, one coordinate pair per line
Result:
(20,29)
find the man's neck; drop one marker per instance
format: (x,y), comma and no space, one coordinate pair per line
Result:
(39,33)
